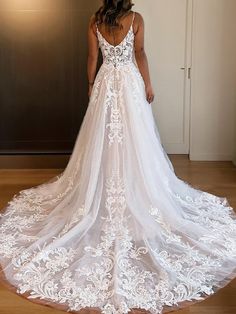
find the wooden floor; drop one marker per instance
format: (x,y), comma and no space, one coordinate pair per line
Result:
(215,177)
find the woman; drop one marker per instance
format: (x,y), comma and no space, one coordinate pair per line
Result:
(117,230)
(118,25)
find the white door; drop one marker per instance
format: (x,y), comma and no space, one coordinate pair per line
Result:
(168,48)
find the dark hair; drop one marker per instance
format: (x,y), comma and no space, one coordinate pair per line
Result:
(111,10)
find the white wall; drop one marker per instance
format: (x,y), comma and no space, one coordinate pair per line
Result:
(213,98)
(213,85)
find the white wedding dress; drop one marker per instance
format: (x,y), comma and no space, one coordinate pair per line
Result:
(117,230)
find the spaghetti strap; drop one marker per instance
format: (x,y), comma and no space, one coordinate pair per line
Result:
(133,18)
(97,30)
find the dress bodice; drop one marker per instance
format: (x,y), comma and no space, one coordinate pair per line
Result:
(120,54)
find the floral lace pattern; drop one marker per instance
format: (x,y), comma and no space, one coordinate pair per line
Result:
(213,213)
(116,265)
(120,54)
(114,105)
(25,210)
(116,56)
(115,273)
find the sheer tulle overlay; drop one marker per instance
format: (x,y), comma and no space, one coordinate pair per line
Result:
(117,230)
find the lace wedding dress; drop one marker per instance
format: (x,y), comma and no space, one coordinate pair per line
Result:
(117,230)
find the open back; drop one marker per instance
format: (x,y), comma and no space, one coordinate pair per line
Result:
(117,36)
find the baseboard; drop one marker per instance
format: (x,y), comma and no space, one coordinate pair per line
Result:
(34,161)
(60,161)
(210,157)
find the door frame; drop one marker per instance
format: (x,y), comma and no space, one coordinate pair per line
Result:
(188,73)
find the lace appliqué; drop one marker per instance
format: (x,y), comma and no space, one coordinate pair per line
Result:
(114,104)
(117,267)
(193,270)
(115,56)
(114,269)
(119,55)
(214,214)
(26,209)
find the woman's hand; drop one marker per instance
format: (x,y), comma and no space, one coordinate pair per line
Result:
(149,93)
(90,90)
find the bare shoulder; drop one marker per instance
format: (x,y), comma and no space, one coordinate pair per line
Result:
(138,17)
(138,21)
(92,23)
(92,19)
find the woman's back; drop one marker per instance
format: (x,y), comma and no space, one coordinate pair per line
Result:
(121,52)
(115,35)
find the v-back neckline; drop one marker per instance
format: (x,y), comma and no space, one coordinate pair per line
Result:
(114,46)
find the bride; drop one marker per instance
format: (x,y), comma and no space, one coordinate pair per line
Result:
(117,230)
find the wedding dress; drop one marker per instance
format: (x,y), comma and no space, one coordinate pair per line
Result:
(117,230)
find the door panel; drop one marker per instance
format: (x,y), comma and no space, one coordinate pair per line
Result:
(167,45)
(43,76)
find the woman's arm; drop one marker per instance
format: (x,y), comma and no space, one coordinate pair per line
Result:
(141,57)
(93,50)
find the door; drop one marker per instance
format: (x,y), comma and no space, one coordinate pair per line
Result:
(43,75)
(168,48)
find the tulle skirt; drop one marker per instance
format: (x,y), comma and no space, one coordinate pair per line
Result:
(117,229)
